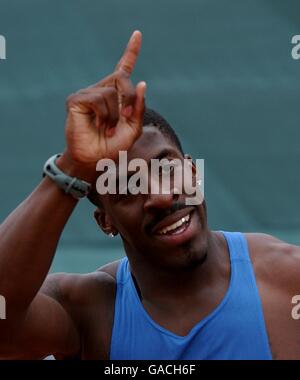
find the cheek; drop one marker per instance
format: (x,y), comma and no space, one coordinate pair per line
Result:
(201,215)
(128,221)
(203,219)
(130,231)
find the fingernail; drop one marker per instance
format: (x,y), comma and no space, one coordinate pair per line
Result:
(127,111)
(133,35)
(144,84)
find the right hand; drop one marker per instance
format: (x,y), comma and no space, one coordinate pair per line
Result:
(106,117)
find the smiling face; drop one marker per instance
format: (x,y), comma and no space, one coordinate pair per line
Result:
(158,229)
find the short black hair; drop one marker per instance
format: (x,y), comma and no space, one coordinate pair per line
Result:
(151,119)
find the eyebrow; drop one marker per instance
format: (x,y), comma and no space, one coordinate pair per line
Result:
(163,153)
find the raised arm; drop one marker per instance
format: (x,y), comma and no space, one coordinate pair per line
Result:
(101,120)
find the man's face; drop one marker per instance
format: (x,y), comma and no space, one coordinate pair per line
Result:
(146,222)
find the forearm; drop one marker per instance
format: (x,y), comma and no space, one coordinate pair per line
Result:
(28,241)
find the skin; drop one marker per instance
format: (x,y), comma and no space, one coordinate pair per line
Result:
(180,279)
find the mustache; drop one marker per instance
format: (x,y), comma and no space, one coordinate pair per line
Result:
(163,214)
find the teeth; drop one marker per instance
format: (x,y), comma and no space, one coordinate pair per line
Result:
(175,225)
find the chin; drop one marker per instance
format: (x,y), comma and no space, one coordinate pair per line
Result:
(194,255)
(187,257)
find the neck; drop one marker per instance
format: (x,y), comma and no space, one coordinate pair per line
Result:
(160,285)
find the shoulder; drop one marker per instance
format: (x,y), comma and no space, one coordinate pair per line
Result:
(71,289)
(110,269)
(275,261)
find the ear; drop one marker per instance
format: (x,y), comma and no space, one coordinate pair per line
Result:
(194,171)
(189,157)
(104,222)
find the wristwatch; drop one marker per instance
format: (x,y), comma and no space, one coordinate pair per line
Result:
(71,185)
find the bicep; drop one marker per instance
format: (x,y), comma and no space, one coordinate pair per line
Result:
(275,261)
(46,328)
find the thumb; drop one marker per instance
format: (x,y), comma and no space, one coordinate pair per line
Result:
(139,105)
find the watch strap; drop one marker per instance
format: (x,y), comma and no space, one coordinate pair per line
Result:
(71,185)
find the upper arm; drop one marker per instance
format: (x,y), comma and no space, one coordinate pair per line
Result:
(47,326)
(61,317)
(275,262)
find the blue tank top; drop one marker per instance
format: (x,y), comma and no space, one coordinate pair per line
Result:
(235,329)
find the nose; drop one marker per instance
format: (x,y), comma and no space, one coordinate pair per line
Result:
(160,201)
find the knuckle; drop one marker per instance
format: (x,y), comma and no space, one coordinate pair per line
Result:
(98,98)
(75,98)
(125,69)
(70,100)
(111,92)
(119,74)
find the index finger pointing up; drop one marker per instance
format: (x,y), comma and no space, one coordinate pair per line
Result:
(131,53)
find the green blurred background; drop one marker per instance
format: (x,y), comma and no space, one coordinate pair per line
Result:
(220,71)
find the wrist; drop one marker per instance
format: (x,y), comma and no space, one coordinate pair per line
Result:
(85,172)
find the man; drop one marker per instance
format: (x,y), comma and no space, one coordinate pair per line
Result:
(185,292)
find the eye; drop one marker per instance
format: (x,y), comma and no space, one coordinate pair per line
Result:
(134,188)
(168,167)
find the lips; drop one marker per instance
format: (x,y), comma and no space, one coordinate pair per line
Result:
(173,222)
(175,227)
